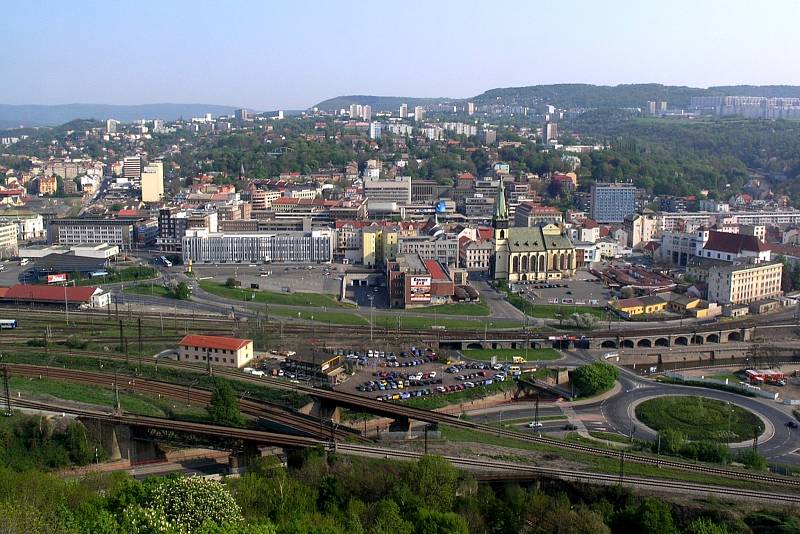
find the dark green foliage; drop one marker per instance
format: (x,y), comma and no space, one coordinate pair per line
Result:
(752,459)
(224,407)
(33,442)
(594,378)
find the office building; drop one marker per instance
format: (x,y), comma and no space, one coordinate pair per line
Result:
(202,246)
(529,214)
(215,350)
(745,283)
(121,232)
(387,191)
(612,202)
(153,182)
(132,169)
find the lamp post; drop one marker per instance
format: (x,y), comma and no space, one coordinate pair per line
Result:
(188,390)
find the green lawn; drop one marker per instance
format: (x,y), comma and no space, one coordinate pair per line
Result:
(154,290)
(732,378)
(505,355)
(332,317)
(128,274)
(271,297)
(699,418)
(476,309)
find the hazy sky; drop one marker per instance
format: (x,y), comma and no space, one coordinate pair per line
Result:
(291,54)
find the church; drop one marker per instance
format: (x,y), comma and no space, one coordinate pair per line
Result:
(522,254)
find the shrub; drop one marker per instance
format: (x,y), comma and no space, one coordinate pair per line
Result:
(594,378)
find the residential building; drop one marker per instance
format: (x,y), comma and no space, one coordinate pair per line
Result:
(48,184)
(477,255)
(111,126)
(549,132)
(375,130)
(172,225)
(8,240)
(379,245)
(641,229)
(419,113)
(203,246)
(730,247)
(744,283)
(612,202)
(439,246)
(529,214)
(215,350)
(242,114)
(29,225)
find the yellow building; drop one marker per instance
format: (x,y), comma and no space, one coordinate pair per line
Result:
(379,245)
(224,351)
(640,306)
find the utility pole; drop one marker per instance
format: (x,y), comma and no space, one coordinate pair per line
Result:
(536,412)
(427,425)
(621,466)
(7,391)
(139,324)
(208,361)
(658,451)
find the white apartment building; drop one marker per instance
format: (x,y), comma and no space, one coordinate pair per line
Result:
(397,190)
(743,284)
(29,225)
(153,182)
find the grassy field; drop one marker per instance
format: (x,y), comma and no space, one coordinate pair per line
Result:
(476,309)
(505,355)
(133,403)
(271,297)
(318,315)
(699,418)
(154,290)
(732,378)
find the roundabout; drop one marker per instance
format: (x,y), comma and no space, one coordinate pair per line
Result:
(699,419)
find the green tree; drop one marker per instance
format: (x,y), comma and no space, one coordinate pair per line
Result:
(594,378)
(434,480)
(224,408)
(433,522)
(182,291)
(752,459)
(704,525)
(231,282)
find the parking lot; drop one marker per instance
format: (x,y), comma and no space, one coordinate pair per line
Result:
(325,278)
(578,292)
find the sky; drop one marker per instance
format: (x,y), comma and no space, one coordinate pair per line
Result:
(269,55)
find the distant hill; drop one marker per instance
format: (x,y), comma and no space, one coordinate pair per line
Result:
(381,103)
(40,115)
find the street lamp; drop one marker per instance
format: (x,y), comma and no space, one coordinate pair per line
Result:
(188,390)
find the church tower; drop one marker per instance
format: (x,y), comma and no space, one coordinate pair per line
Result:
(500,225)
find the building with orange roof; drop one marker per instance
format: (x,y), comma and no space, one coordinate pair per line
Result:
(215,350)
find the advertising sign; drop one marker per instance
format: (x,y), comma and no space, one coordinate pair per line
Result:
(420,289)
(55,278)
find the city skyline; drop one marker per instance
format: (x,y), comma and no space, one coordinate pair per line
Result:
(293,56)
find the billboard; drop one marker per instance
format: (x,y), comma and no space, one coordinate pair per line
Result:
(55,278)
(420,289)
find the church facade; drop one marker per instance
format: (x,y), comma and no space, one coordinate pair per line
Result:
(529,254)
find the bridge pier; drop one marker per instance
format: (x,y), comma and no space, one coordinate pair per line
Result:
(400,424)
(115,439)
(322,410)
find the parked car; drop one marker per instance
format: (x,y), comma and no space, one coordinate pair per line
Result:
(534,424)
(570,426)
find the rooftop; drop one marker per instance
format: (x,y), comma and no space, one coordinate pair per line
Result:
(214,342)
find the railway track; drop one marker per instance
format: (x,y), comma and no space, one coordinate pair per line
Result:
(192,395)
(493,470)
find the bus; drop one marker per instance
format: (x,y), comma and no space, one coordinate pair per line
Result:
(165,261)
(8,323)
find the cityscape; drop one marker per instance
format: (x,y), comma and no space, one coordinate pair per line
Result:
(550,303)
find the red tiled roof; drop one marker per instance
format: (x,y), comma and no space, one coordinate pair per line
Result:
(733,243)
(589,224)
(50,293)
(466,176)
(435,270)
(214,342)
(485,233)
